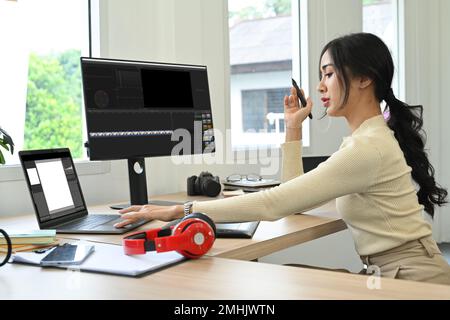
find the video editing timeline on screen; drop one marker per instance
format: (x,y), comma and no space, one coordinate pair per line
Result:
(133,108)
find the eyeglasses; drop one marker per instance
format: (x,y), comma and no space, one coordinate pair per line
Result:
(240,177)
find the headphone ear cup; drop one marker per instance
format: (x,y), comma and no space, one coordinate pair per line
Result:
(203,217)
(198,234)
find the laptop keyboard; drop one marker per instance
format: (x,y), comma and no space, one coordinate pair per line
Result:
(91,221)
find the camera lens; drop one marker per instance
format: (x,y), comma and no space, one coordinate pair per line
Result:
(210,187)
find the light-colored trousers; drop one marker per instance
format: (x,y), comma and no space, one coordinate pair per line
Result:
(418,260)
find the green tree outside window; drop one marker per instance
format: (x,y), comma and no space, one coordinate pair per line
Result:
(53,115)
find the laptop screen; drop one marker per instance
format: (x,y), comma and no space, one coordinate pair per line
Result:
(53,183)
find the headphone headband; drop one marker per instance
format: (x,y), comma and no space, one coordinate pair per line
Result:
(141,241)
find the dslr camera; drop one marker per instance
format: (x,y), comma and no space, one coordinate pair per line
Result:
(205,184)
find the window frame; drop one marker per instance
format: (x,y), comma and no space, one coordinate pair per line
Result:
(399,61)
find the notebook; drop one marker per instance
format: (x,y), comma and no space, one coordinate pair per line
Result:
(31,237)
(109,258)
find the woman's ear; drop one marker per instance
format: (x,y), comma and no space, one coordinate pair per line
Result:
(364,82)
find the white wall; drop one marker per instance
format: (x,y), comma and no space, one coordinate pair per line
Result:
(195,31)
(427,70)
(444,83)
(335,251)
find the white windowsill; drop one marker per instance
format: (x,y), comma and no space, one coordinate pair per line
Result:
(83,167)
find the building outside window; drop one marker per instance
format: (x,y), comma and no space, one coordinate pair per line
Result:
(261,56)
(260,109)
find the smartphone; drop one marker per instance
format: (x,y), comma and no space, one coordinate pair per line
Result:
(300,96)
(67,254)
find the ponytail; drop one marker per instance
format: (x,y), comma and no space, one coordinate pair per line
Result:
(406,122)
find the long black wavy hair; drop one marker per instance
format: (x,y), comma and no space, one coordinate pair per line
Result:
(364,54)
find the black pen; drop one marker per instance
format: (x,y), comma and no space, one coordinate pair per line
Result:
(300,96)
(44,250)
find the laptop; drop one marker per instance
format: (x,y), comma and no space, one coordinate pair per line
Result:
(57,197)
(230,230)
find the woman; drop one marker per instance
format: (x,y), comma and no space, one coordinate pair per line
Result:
(370,176)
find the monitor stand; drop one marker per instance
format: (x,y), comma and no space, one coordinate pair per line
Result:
(138,186)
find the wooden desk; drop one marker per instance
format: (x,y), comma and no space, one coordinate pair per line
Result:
(215,278)
(273,236)
(270,237)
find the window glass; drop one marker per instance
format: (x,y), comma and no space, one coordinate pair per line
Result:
(261,60)
(41,105)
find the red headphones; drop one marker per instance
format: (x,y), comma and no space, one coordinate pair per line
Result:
(192,237)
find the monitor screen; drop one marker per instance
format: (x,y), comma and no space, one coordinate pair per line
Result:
(145,109)
(53,183)
(311,162)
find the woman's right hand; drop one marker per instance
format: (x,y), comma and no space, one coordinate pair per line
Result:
(293,113)
(151,212)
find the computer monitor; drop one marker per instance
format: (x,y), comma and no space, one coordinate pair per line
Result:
(138,109)
(311,162)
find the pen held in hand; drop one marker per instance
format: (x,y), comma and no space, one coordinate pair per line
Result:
(300,96)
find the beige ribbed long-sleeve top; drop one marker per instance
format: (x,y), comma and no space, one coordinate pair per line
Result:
(369,178)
